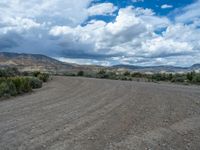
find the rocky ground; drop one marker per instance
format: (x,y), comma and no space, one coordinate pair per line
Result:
(92,114)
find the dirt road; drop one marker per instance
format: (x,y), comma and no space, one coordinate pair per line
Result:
(90,114)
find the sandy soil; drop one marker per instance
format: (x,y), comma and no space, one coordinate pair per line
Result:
(90,114)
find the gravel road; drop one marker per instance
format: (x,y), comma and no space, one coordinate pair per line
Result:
(91,114)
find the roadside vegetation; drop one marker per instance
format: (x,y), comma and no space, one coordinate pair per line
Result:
(184,78)
(13,82)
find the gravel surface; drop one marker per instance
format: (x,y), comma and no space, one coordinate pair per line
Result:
(91,114)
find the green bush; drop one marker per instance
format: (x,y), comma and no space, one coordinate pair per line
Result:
(122,78)
(26,84)
(127,73)
(35,83)
(9,72)
(36,73)
(18,84)
(26,73)
(43,77)
(12,88)
(112,75)
(7,88)
(102,74)
(196,79)
(22,84)
(178,79)
(4,89)
(11,83)
(185,78)
(2,73)
(80,73)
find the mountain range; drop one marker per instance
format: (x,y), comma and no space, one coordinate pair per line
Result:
(32,62)
(163,68)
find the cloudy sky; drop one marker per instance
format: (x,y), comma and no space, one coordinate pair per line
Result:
(104,32)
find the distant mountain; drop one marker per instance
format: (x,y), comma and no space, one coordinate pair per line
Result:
(195,66)
(30,62)
(158,68)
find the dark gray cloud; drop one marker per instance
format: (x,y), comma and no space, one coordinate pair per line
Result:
(9,41)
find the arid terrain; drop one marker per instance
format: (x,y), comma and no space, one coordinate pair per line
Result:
(92,114)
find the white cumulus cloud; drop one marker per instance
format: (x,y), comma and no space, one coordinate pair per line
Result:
(166,6)
(131,38)
(102,9)
(64,29)
(135,1)
(189,13)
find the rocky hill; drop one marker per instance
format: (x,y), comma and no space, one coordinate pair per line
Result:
(31,62)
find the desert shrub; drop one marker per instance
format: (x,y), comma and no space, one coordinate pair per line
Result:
(137,74)
(102,74)
(9,72)
(130,79)
(196,79)
(127,73)
(35,83)
(102,71)
(43,77)
(27,85)
(7,88)
(2,73)
(26,73)
(4,89)
(178,79)
(12,83)
(90,74)
(18,84)
(12,88)
(170,76)
(80,73)
(123,78)
(112,75)
(185,78)
(36,73)
(22,84)
(157,77)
